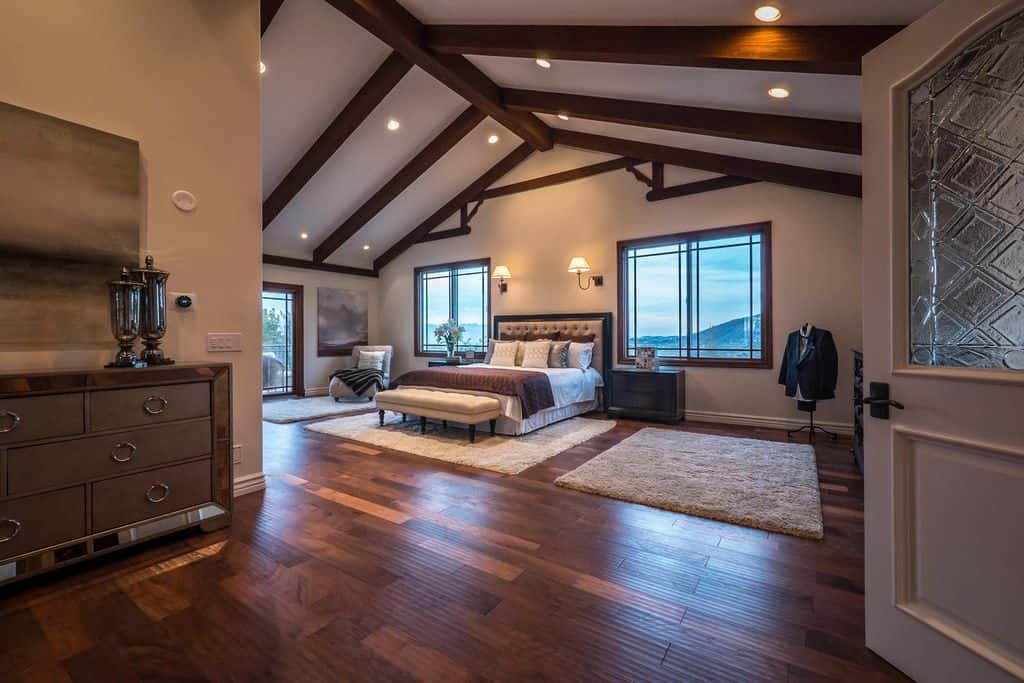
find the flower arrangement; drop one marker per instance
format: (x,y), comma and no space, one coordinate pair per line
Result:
(450,333)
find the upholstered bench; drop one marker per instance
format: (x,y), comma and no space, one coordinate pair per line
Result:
(468,409)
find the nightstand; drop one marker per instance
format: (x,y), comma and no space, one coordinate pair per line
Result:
(441,362)
(648,394)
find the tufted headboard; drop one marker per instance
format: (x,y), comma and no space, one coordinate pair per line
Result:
(598,324)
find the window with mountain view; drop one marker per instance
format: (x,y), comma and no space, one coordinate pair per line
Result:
(452,291)
(700,298)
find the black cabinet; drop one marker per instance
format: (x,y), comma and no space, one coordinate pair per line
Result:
(648,394)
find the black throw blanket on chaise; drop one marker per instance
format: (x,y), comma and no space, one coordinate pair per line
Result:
(359,380)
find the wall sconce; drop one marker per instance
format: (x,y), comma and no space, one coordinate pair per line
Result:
(502,275)
(579,265)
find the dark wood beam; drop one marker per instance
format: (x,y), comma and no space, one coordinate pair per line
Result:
(272,260)
(784,174)
(445,140)
(697,187)
(793,131)
(383,80)
(394,25)
(469,194)
(445,234)
(559,178)
(268,10)
(810,49)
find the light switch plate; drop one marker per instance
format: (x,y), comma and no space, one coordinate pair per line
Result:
(217,342)
(236,454)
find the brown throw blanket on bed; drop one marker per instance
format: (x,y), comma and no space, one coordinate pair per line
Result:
(533,389)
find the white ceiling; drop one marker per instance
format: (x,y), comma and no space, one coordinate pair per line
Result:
(317,59)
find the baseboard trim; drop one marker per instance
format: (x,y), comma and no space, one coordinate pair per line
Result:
(844,428)
(249,483)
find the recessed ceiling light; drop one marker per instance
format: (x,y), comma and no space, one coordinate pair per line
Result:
(393,124)
(543,63)
(564,117)
(778,93)
(768,14)
(366,247)
(263,68)
(304,235)
(492,138)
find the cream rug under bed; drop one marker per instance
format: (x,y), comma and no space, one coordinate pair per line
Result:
(505,454)
(761,484)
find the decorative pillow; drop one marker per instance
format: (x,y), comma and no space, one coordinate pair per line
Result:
(490,351)
(558,356)
(371,359)
(535,353)
(505,353)
(580,355)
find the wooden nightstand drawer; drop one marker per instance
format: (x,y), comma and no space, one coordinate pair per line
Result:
(33,468)
(121,408)
(40,417)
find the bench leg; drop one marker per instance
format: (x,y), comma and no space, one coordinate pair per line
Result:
(404,416)
(380,415)
(472,433)
(423,425)
(494,423)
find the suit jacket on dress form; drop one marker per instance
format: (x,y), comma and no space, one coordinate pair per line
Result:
(815,371)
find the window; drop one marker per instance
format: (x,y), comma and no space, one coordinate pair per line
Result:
(282,339)
(452,291)
(698,298)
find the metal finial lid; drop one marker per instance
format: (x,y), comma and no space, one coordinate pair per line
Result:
(125,279)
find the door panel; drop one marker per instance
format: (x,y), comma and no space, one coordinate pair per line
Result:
(944,478)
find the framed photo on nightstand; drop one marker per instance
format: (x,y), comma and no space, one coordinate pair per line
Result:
(646,358)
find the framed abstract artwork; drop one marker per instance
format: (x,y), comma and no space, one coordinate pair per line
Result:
(342,320)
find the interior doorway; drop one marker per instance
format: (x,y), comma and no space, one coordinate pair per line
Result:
(282,340)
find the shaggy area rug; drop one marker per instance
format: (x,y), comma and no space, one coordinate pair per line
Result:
(761,484)
(505,454)
(285,410)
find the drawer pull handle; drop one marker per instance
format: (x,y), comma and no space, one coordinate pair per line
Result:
(15,527)
(147,405)
(9,421)
(158,493)
(116,452)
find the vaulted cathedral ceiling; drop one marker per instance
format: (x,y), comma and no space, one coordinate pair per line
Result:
(343,185)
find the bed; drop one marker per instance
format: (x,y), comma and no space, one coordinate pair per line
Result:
(573,391)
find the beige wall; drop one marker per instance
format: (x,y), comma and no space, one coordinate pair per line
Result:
(316,369)
(179,76)
(816,267)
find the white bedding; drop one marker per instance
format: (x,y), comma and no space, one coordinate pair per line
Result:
(568,386)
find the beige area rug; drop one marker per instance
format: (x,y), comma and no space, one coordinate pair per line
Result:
(505,454)
(761,484)
(285,410)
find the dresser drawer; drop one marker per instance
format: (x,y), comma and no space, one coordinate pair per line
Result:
(37,522)
(135,497)
(32,468)
(120,408)
(40,417)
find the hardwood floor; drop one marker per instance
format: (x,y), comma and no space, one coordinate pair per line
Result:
(357,564)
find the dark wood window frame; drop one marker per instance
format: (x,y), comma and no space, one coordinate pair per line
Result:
(417,337)
(765,230)
(298,336)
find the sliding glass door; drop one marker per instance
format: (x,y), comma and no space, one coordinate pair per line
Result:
(282,339)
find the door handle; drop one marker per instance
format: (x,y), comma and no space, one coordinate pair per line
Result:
(879,402)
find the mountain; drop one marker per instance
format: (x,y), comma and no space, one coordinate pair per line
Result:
(732,334)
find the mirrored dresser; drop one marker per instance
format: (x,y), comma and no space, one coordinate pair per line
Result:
(96,460)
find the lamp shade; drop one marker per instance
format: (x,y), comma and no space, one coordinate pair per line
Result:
(501,273)
(578,264)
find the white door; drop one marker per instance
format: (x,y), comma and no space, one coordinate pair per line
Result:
(943,254)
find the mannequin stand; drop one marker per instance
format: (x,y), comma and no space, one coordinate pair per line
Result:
(809,406)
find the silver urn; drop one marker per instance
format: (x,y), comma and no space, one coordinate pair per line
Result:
(125,297)
(153,309)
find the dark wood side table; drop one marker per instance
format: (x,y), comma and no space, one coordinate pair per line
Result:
(440,362)
(648,394)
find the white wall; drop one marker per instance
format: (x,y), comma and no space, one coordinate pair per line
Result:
(179,76)
(316,369)
(815,266)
